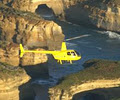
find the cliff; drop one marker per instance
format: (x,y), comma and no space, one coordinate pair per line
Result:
(29,29)
(9,53)
(34,33)
(102,14)
(10,79)
(98,74)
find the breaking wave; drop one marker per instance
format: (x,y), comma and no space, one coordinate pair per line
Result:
(111,35)
(50,82)
(78,37)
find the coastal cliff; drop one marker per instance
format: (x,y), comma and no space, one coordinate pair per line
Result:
(101,14)
(29,29)
(10,79)
(9,53)
(34,33)
(98,74)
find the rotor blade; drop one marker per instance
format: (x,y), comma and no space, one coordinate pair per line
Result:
(81,36)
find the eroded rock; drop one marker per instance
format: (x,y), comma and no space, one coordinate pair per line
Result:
(102,14)
(10,80)
(29,29)
(98,74)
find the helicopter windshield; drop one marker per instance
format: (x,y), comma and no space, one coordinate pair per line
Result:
(71,53)
(77,53)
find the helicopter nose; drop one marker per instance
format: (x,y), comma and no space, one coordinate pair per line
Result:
(79,57)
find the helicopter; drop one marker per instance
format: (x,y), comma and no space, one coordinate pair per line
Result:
(63,55)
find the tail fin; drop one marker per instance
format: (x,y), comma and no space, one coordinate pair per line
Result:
(21,50)
(63,47)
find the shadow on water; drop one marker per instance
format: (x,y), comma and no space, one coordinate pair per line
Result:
(37,71)
(98,94)
(28,91)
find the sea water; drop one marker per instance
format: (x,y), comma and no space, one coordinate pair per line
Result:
(90,43)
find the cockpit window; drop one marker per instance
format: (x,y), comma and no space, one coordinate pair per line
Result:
(73,53)
(68,53)
(77,53)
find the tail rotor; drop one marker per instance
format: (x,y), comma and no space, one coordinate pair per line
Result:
(21,51)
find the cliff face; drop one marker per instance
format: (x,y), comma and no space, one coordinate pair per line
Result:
(103,14)
(34,33)
(97,75)
(10,80)
(57,94)
(10,54)
(28,29)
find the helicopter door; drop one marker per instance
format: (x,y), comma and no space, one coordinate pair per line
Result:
(69,53)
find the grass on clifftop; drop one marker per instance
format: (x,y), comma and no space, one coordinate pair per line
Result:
(109,2)
(8,71)
(9,11)
(94,69)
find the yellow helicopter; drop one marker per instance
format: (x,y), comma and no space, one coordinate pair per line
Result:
(62,55)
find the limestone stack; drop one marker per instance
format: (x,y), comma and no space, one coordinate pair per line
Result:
(10,80)
(103,14)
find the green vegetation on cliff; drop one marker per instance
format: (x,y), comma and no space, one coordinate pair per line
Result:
(9,11)
(7,71)
(94,69)
(109,2)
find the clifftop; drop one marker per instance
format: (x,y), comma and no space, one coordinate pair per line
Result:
(9,11)
(8,71)
(10,79)
(94,70)
(98,74)
(103,14)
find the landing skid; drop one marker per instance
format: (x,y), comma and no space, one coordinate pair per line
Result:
(64,61)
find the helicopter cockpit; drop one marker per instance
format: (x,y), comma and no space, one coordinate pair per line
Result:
(73,53)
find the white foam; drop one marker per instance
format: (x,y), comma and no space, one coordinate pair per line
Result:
(111,35)
(99,48)
(77,37)
(50,82)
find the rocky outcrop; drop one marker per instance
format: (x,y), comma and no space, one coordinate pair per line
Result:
(98,74)
(10,80)
(57,94)
(103,14)
(34,33)
(10,55)
(29,29)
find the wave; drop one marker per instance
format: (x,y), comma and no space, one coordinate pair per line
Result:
(49,82)
(111,34)
(78,37)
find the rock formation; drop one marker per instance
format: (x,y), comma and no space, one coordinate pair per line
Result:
(10,54)
(29,29)
(103,14)
(98,74)
(68,94)
(10,80)
(34,33)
